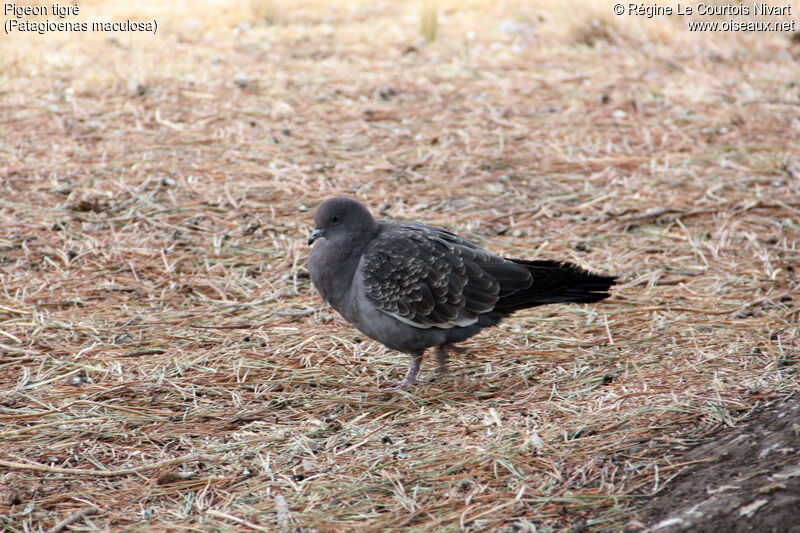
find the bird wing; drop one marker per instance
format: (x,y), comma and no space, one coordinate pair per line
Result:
(428,277)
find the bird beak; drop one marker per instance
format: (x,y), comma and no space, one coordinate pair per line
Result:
(316,234)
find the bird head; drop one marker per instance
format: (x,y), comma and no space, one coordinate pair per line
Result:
(342,221)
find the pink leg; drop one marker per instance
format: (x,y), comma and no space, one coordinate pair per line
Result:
(410,378)
(441,356)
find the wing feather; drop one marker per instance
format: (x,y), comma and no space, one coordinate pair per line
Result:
(428,277)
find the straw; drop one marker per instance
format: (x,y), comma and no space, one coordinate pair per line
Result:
(165,364)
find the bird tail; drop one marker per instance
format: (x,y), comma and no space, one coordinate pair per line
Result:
(555,282)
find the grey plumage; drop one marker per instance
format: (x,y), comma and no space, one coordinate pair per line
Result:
(411,286)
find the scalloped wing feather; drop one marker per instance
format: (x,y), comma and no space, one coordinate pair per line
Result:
(428,277)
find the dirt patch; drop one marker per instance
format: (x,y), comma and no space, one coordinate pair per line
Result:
(747,479)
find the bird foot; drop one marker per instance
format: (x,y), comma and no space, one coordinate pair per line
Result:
(404,384)
(410,379)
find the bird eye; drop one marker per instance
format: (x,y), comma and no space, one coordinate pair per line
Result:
(335,219)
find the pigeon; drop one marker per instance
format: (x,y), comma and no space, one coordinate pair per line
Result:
(411,286)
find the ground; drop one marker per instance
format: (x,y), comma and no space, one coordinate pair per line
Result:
(743,479)
(165,364)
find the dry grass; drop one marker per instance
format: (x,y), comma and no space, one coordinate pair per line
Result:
(167,366)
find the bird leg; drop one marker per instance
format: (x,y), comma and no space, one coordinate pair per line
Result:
(410,378)
(441,356)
